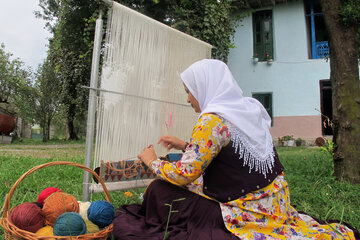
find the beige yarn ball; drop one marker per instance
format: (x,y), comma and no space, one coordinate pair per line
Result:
(84,206)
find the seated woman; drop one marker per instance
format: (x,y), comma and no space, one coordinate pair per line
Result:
(229,183)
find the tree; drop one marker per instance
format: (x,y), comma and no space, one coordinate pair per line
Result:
(12,75)
(70,52)
(342,21)
(6,85)
(47,101)
(16,86)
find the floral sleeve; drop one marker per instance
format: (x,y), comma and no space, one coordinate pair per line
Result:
(209,135)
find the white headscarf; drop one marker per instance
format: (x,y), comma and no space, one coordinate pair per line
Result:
(213,86)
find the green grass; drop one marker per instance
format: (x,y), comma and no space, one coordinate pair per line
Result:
(67,178)
(315,191)
(308,171)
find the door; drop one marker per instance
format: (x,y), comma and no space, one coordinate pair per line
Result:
(326,107)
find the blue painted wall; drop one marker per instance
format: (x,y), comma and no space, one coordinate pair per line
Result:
(293,78)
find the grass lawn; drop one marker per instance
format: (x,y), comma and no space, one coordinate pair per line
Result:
(308,171)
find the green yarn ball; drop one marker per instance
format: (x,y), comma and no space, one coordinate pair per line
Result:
(69,224)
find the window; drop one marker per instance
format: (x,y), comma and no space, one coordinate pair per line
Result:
(266,101)
(263,35)
(316,30)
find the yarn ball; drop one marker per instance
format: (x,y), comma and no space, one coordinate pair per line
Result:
(46,193)
(101,213)
(69,224)
(91,227)
(45,231)
(27,216)
(84,206)
(57,204)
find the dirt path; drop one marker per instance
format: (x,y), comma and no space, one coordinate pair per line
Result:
(9,146)
(43,151)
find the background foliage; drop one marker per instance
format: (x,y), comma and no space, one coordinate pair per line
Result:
(73,22)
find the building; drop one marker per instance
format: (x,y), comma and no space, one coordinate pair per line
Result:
(280,59)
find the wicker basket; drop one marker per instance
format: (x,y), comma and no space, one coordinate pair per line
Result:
(13,232)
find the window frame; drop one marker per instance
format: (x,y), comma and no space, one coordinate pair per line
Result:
(319,48)
(261,49)
(263,95)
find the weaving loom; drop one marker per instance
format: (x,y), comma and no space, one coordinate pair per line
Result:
(141,95)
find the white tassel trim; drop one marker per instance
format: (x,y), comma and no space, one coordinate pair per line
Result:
(253,158)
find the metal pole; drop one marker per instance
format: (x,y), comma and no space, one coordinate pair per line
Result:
(92,103)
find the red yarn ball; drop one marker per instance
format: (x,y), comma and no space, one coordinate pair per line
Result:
(27,216)
(46,193)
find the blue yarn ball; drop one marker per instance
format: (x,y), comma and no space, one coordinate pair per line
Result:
(101,213)
(69,224)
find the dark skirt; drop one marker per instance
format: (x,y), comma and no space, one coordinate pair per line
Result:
(195,217)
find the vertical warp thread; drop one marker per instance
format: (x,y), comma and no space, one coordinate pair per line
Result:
(142,57)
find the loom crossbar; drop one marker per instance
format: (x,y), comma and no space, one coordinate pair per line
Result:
(116,186)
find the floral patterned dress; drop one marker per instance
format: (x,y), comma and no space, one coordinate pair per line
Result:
(262,214)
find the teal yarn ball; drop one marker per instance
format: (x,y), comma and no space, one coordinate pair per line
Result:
(69,224)
(101,213)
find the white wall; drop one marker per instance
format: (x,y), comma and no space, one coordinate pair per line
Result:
(292,78)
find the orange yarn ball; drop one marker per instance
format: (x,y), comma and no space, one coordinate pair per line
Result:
(27,216)
(57,204)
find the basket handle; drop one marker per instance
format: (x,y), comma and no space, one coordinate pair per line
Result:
(12,190)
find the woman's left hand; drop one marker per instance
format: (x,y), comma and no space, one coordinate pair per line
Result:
(147,156)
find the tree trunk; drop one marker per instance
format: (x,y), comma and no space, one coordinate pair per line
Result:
(43,126)
(44,139)
(344,78)
(70,131)
(48,127)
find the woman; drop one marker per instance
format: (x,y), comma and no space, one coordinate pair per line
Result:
(229,183)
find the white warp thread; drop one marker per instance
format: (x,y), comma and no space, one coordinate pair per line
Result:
(143,57)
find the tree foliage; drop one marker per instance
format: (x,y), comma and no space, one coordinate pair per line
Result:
(208,20)
(349,14)
(16,86)
(13,76)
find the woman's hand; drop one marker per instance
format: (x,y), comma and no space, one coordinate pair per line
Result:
(147,156)
(169,142)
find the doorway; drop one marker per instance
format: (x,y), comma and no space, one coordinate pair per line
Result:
(326,107)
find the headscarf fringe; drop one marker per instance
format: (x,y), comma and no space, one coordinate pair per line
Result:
(252,158)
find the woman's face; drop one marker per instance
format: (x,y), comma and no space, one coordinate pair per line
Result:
(193,102)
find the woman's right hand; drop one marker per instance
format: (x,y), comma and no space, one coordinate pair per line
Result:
(169,142)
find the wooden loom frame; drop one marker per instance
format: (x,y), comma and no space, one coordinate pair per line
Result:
(87,186)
